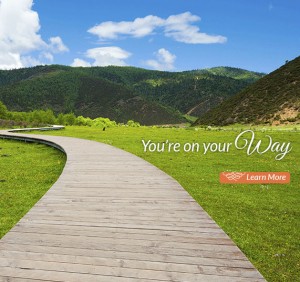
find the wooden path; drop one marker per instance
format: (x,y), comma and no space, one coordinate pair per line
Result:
(112,216)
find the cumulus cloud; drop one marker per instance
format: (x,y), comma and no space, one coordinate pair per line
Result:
(57,46)
(164,60)
(140,27)
(178,27)
(9,60)
(19,35)
(103,56)
(30,61)
(80,63)
(47,55)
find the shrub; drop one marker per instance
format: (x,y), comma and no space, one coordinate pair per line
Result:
(82,121)
(3,111)
(132,123)
(69,119)
(104,122)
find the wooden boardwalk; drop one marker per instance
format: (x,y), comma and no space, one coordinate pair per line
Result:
(112,216)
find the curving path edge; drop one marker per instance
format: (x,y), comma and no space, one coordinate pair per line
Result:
(112,216)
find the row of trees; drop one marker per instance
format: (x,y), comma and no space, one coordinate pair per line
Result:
(48,117)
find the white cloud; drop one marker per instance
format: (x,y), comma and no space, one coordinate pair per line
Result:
(80,63)
(164,60)
(30,61)
(18,32)
(19,26)
(140,27)
(57,46)
(47,55)
(103,56)
(178,27)
(10,60)
(19,35)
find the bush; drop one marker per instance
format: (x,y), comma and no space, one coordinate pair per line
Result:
(69,119)
(104,122)
(82,121)
(41,117)
(3,111)
(132,123)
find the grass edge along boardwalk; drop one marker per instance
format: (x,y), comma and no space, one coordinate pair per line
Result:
(112,216)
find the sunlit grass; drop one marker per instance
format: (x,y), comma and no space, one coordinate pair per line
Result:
(27,171)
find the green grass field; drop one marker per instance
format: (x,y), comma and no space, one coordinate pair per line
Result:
(27,171)
(263,220)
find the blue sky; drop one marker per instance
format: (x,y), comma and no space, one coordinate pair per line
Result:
(258,35)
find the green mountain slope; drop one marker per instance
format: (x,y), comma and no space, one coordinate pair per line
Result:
(190,92)
(64,89)
(235,73)
(273,99)
(122,93)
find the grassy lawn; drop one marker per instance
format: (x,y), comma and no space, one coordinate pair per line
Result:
(263,220)
(27,171)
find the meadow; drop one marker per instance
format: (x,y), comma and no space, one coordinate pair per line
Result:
(263,220)
(27,171)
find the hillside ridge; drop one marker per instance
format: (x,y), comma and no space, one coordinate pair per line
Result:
(274,99)
(121,93)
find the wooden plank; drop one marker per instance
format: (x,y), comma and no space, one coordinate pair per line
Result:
(92,230)
(173,216)
(77,217)
(15,279)
(100,225)
(137,217)
(90,242)
(132,264)
(121,271)
(113,217)
(204,251)
(154,257)
(38,229)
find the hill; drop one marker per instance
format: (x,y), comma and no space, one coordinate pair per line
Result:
(235,73)
(273,99)
(64,89)
(190,92)
(121,93)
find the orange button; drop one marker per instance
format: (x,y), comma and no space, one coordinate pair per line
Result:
(255,177)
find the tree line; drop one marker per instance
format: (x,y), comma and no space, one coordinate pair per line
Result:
(47,117)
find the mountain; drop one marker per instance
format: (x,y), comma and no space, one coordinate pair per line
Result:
(64,89)
(190,92)
(235,73)
(273,99)
(122,93)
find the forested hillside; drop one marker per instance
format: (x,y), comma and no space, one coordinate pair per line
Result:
(65,89)
(191,92)
(274,99)
(121,93)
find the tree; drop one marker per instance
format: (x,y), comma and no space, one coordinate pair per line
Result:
(60,119)
(69,119)
(83,121)
(132,123)
(3,111)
